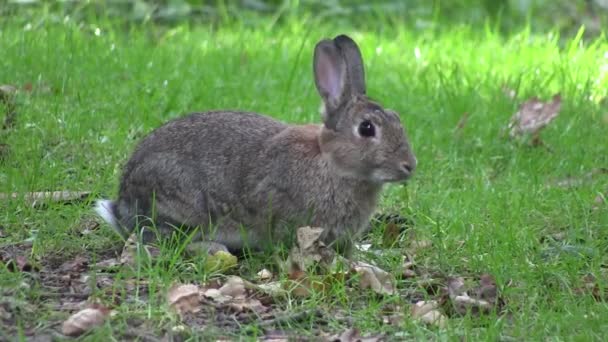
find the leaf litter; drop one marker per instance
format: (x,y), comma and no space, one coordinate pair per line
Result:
(534,115)
(227,303)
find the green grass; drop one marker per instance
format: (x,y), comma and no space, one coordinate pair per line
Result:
(486,202)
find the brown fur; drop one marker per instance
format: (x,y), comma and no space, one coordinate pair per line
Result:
(247,180)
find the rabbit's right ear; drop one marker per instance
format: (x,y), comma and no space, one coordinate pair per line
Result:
(330,77)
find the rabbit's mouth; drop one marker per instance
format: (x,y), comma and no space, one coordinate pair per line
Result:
(392,176)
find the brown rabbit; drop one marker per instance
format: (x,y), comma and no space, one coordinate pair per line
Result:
(247,180)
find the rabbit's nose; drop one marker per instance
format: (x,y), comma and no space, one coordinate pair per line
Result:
(407,168)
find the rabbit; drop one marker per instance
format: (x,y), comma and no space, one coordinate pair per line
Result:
(246,180)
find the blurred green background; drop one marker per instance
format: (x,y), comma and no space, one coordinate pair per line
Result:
(563,16)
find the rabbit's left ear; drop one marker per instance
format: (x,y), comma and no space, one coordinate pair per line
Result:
(355,72)
(330,73)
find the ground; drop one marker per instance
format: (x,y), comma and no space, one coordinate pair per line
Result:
(528,212)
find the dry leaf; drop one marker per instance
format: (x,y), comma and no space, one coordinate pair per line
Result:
(85,320)
(77,265)
(575,181)
(407,269)
(234,287)
(375,278)
(591,286)
(299,285)
(310,250)
(308,237)
(274,288)
(533,115)
(264,275)
(428,312)
(353,335)
(108,263)
(233,294)
(246,304)
(37,199)
(184,299)
(129,253)
(485,298)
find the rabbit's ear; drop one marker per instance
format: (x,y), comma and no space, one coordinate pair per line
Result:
(330,75)
(354,63)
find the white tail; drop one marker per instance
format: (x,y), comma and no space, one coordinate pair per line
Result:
(104,209)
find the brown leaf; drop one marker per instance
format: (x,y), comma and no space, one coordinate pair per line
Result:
(184,298)
(591,287)
(38,199)
(484,298)
(575,181)
(108,263)
(456,286)
(428,312)
(299,285)
(488,290)
(130,250)
(85,320)
(407,268)
(234,287)
(310,250)
(264,275)
(233,294)
(375,278)
(533,115)
(77,265)
(353,335)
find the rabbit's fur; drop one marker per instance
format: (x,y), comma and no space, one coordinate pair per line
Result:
(248,180)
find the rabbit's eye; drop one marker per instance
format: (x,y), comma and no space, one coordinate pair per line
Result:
(367,129)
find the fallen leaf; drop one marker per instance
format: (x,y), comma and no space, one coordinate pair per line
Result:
(309,250)
(233,294)
(456,286)
(533,115)
(374,278)
(234,287)
(407,268)
(488,289)
(184,298)
(37,199)
(264,275)
(299,285)
(108,263)
(274,288)
(85,320)
(591,287)
(77,265)
(575,181)
(353,335)
(428,312)
(484,299)
(242,304)
(131,248)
